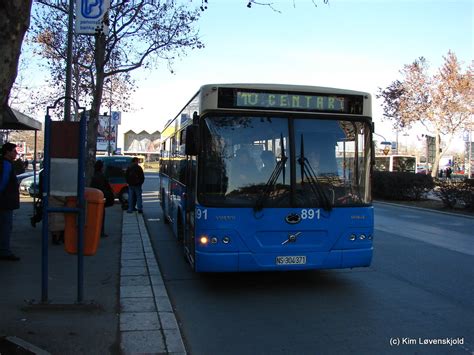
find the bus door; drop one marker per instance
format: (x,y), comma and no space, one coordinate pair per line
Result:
(188,237)
(166,190)
(173,188)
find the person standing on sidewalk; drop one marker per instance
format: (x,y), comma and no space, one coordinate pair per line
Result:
(9,199)
(135,179)
(100,181)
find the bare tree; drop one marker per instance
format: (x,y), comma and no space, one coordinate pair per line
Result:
(443,103)
(49,38)
(142,34)
(14,21)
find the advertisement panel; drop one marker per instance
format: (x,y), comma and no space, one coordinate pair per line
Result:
(104,135)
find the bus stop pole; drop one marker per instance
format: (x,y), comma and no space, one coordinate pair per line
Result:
(45,193)
(81,214)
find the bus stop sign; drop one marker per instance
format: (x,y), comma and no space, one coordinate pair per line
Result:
(91,17)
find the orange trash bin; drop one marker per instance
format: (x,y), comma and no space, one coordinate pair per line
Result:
(94,212)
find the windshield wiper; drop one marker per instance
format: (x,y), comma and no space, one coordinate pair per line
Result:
(271,182)
(307,170)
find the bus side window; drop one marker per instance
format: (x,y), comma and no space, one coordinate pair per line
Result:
(182,170)
(165,156)
(182,138)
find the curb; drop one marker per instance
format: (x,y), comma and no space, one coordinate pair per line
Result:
(19,346)
(422,209)
(147,321)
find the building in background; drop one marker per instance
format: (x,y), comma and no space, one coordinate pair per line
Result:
(143,143)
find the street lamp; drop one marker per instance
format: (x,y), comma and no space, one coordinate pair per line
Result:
(406,135)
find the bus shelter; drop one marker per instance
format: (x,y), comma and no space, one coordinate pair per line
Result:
(14,120)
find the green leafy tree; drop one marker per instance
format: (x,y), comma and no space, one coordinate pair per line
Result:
(443,103)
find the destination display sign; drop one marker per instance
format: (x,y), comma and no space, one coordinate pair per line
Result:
(290,101)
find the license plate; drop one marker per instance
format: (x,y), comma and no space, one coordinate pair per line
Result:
(291,260)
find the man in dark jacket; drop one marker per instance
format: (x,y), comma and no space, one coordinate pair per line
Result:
(135,179)
(9,199)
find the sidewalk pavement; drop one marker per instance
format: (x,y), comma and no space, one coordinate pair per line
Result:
(125,306)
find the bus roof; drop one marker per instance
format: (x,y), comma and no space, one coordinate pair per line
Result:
(284,87)
(274,87)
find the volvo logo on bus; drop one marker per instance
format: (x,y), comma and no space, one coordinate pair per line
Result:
(293,218)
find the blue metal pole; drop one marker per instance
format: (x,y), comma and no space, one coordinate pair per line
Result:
(34,171)
(81,214)
(45,194)
(70,34)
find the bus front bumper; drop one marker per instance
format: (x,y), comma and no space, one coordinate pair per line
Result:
(236,262)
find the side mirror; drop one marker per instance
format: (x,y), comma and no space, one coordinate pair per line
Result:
(195,117)
(192,140)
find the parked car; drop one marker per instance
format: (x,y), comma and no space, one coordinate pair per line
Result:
(24,175)
(114,169)
(29,187)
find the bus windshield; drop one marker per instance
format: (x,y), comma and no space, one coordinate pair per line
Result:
(254,161)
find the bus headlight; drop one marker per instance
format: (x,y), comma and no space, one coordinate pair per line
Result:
(226,240)
(352,237)
(362,237)
(204,240)
(213,240)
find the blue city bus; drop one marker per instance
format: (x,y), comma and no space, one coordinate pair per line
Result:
(259,177)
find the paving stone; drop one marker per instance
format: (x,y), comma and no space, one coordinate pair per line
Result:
(154,270)
(160,290)
(137,280)
(135,291)
(132,248)
(136,304)
(156,279)
(133,262)
(147,322)
(133,270)
(168,320)
(139,321)
(174,342)
(130,231)
(130,256)
(142,342)
(163,304)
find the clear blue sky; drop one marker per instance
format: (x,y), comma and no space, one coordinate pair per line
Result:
(359,45)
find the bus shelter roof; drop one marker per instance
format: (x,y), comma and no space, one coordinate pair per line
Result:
(15,120)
